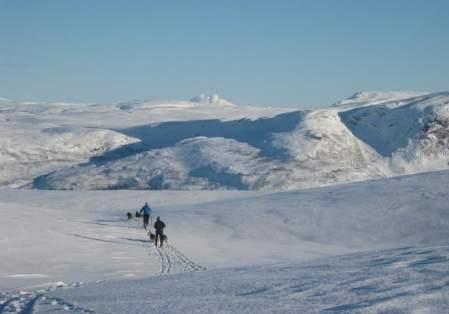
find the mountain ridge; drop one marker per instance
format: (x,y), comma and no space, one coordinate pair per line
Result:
(370,135)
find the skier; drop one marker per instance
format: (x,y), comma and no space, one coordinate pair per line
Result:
(146,214)
(159,226)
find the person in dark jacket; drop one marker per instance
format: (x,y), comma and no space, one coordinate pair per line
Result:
(159,227)
(146,210)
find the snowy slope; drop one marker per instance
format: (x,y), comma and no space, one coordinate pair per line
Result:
(227,228)
(365,98)
(290,150)
(27,150)
(80,237)
(407,280)
(412,133)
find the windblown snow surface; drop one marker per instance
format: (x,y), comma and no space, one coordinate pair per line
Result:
(370,247)
(208,143)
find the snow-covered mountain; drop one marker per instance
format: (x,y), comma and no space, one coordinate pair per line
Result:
(208,143)
(364,98)
(38,138)
(413,133)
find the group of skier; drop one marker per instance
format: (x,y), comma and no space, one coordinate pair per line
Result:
(159,225)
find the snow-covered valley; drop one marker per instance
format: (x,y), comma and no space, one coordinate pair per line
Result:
(362,247)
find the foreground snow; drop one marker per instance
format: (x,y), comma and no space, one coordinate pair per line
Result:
(83,239)
(405,280)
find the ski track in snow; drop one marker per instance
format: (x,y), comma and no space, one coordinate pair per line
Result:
(187,264)
(165,262)
(28,302)
(24,302)
(173,261)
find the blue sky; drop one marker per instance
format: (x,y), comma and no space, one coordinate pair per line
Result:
(289,53)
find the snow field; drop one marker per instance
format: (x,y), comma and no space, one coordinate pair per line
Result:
(404,280)
(303,236)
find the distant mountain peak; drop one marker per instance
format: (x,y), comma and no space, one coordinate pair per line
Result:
(210,99)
